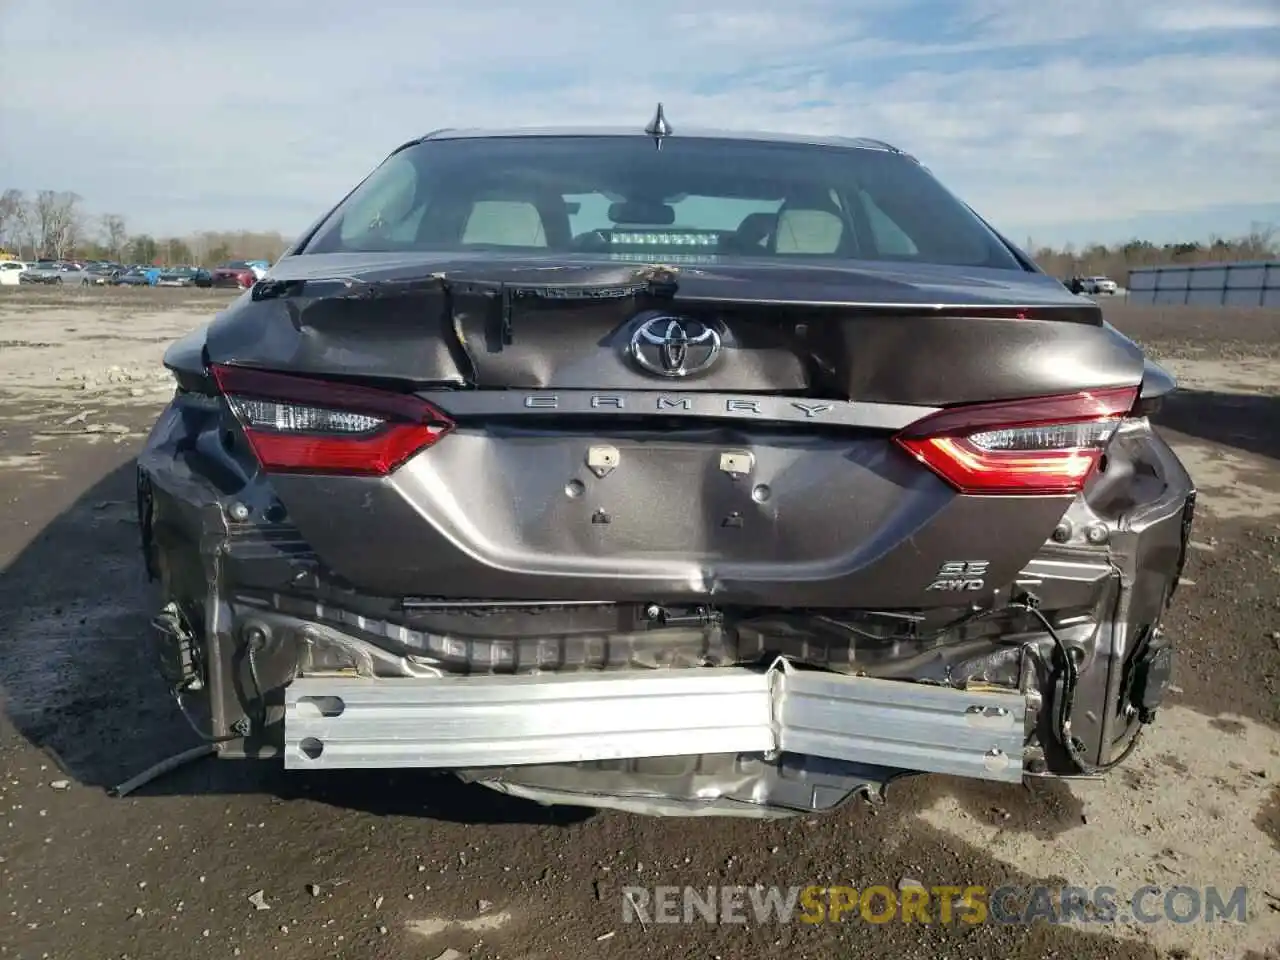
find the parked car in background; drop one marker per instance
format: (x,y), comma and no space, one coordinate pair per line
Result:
(235,273)
(10,271)
(58,273)
(74,272)
(260,267)
(177,277)
(38,272)
(139,277)
(103,273)
(203,278)
(1100,285)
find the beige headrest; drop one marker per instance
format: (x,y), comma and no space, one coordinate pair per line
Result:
(511,223)
(808,231)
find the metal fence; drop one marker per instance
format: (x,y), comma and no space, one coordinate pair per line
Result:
(1255,284)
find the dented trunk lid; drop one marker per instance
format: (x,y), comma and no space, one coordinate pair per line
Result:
(875,333)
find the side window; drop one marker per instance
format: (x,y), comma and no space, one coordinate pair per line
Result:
(889,237)
(387,205)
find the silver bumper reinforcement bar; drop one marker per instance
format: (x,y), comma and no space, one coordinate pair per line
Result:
(334,722)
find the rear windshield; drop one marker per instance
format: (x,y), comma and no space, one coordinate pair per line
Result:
(696,199)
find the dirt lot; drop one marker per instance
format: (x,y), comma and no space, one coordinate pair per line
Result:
(407,865)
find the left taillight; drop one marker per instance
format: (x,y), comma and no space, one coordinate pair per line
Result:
(1047,445)
(301,425)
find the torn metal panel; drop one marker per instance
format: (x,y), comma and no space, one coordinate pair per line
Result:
(1134,517)
(494,320)
(719,785)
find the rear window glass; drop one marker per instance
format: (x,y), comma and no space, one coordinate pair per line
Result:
(698,199)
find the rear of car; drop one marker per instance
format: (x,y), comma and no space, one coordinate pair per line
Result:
(42,272)
(104,274)
(737,476)
(177,277)
(11,272)
(238,274)
(67,273)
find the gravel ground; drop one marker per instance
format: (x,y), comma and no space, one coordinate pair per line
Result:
(411,865)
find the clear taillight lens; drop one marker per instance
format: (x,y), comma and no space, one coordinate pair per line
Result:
(291,418)
(1055,436)
(301,425)
(1047,445)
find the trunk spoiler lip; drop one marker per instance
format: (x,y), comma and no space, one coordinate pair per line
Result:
(887,285)
(356,288)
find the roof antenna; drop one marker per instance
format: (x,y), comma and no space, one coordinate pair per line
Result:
(658,127)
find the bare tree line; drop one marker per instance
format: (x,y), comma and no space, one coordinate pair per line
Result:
(49,221)
(1261,243)
(53,223)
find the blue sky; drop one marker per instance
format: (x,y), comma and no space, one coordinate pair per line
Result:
(1062,122)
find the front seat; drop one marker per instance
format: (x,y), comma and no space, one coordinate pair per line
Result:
(754,233)
(809,225)
(505,218)
(505,223)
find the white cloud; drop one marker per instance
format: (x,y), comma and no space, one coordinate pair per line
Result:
(262,114)
(1200,17)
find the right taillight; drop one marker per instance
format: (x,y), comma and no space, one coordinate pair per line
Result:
(300,425)
(1046,445)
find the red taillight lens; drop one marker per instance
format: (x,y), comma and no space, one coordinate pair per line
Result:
(1048,445)
(299,425)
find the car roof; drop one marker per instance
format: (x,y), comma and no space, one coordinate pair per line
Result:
(705,133)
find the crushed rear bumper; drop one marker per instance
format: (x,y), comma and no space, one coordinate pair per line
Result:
(603,709)
(516,721)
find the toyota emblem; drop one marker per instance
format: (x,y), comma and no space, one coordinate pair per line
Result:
(674,347)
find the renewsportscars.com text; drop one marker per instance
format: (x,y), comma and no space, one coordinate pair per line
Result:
(941,904)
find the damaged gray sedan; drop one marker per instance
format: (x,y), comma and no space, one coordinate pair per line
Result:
(677,472)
